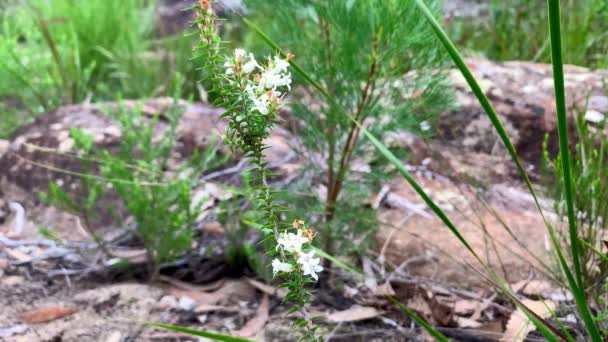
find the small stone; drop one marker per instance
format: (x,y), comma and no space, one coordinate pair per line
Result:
(168,302)
(12,280)
(186,303)
(598,103)
(594,116)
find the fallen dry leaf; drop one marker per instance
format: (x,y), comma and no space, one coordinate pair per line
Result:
(130,255)
(532,287)
(269,290)
(18,255)
(231,290)
(254,325)
(214,308)
(464,322)
(48,314)
(519,325)
(354,313)
(465,307)
(190,287)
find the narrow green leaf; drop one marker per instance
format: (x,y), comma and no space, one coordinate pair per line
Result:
(200,333)
(576,284)
(594,250)
(481,97)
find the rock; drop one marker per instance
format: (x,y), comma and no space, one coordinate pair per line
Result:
(407,234)
(51,132)
(522,95)
(36,151)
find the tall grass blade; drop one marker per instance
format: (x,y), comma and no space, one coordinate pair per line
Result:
(481,97)
(576,284)
(562,126)
(200,333)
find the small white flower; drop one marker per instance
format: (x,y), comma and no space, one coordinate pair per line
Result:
(239,54)
(280,65)
(425,126)
(292,242)
(270,80)
(310,264)
(278,266)
(261,104)
(251,64)
(229,67)
(594,116)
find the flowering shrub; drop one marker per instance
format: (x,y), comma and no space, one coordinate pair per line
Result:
(252,93)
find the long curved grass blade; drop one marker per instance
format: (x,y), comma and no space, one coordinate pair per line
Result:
(200,333)
(576,284)
(481,97)
(434,332)
(562,127)
(399,165)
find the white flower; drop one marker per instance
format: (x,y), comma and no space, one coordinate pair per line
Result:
(278,266)
(310,264)
(229,67)
(425,125)
(280,65)
(271,80)
(239,54)
(594,116)
(292,242)
(250,91)
(261,104)
(251,65)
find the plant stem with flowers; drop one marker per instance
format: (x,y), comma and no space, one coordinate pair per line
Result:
(252,95)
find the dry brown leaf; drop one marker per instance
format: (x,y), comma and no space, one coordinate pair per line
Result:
(267,289)
(214,308)
(420,305)
(48,314)
(532,287)
(465,307)
(353,314)
(519,325)
(11,280)
(464,322)
(443,313)
(18,255)
(258,322)
(131,255)
(198,296)
(232,290)
(190,287)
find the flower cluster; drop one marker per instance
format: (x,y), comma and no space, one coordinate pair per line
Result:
(261,83)
(293,245)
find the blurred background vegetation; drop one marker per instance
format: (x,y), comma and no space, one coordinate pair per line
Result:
(57,52)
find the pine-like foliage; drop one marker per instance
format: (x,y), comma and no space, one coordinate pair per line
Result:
(375,58)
